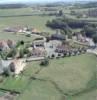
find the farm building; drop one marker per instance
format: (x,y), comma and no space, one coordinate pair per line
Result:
(16,29)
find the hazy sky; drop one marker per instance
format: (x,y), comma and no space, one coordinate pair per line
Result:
(16,1)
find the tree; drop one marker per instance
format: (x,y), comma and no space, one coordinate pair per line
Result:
(12,67)
(95,38)
(6,71)
(21,52)
(12,53)
(45,62)
(89,31)
(19,43)
(60,13)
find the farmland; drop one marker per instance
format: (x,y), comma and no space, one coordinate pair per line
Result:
(36,21)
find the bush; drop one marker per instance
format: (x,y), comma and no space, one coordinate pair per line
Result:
(45,62)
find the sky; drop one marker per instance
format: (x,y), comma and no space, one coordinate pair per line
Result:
(22,1)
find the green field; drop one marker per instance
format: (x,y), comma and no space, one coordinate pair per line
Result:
(91,95)
(17,84)
(39,90)
(35,21)
(73,75)
(70,76)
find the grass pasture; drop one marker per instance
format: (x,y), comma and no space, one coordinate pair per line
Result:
(39,90)
(71,74)
(37,22)
(31,68)
(11,19)
(91,95)
(17,84)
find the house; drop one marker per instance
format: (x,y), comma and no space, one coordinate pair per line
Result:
(50,47)
(79,37)
(16,29)
(62,48)
(34,30)
(39,42)
(38,52)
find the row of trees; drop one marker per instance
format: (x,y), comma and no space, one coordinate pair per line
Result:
(66,26)
(60,23)
(90,31)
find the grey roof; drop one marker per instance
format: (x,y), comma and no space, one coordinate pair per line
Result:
(58,36)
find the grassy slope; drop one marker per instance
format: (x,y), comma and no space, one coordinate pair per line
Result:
(39,90)
(91,95)
(71,74)
(15,84)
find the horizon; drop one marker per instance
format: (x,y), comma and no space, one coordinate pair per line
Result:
(40,1)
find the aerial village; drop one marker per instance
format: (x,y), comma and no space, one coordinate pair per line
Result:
(44,47)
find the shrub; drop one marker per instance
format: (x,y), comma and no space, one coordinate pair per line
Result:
(45,62)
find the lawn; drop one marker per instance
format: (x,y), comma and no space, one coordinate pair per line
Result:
(40,90)
(18,11)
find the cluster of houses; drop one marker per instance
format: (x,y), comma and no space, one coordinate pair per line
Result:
(55,46)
